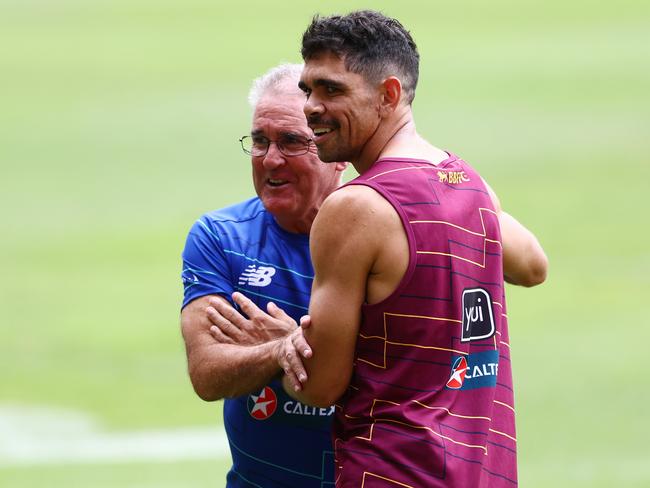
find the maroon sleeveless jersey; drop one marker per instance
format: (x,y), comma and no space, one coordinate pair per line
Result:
(430,402)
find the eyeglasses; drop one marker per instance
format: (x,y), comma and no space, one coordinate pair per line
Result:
(287,144)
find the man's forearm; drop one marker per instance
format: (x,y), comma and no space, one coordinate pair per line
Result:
(226,370)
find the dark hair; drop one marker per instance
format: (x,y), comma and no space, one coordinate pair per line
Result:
(370,44)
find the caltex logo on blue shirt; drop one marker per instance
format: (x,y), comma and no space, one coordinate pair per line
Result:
(263,405)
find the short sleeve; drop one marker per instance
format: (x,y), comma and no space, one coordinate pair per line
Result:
(206,269)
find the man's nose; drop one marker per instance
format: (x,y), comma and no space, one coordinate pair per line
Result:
(313,107)
(273,157)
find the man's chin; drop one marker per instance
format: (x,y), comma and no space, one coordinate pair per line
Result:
(278,206)
(328,156)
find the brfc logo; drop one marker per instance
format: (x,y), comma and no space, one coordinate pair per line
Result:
(452,177)
(263,405)
(458,372)
(257,275)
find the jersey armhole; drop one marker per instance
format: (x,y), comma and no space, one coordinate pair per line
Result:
(410,237)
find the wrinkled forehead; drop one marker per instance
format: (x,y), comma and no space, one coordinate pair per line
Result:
(277,110)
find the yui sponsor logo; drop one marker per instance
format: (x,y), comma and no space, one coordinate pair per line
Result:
(478,322)
(478,370)
(257,276)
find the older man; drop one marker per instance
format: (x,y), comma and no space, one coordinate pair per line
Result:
(409,330)
(260,247)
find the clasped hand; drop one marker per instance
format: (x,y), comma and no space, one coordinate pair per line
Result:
(256,327)
(274,326)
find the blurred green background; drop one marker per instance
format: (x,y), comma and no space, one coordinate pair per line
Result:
(119,123)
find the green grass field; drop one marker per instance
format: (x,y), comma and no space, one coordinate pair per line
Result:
(119,123)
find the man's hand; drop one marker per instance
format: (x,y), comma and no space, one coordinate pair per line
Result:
(289,351)
(231,327)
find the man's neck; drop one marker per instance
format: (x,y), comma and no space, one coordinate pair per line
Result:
(397,138)
(413,146)
(295,226)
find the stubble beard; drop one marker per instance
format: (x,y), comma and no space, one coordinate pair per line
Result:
(334,153)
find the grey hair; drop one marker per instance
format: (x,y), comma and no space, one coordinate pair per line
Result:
(273,81)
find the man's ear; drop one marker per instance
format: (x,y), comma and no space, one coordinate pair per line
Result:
(391,94)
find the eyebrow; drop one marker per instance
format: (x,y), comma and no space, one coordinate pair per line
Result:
(283,133)
(321,82)
(328,82)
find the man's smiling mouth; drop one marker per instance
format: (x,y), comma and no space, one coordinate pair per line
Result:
(275,182)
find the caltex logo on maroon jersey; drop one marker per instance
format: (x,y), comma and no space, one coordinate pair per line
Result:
(263,405)
(458,372)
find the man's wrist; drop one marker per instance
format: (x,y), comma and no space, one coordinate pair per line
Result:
(268,354)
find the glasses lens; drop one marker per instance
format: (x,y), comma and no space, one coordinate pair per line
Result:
(288,145)
(254,146)
(293,146)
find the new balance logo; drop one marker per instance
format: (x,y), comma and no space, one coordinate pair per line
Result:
(257,276)
(189,278)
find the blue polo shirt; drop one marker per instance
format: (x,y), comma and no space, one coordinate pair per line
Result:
(275,441)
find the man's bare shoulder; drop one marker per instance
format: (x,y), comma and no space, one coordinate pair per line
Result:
(354,217)
(354,202)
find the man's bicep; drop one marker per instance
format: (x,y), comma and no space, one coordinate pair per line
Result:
(524,260)
(342,255)
(342,259)
(206,268)
(336,312)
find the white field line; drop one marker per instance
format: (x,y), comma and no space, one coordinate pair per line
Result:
(39,436)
